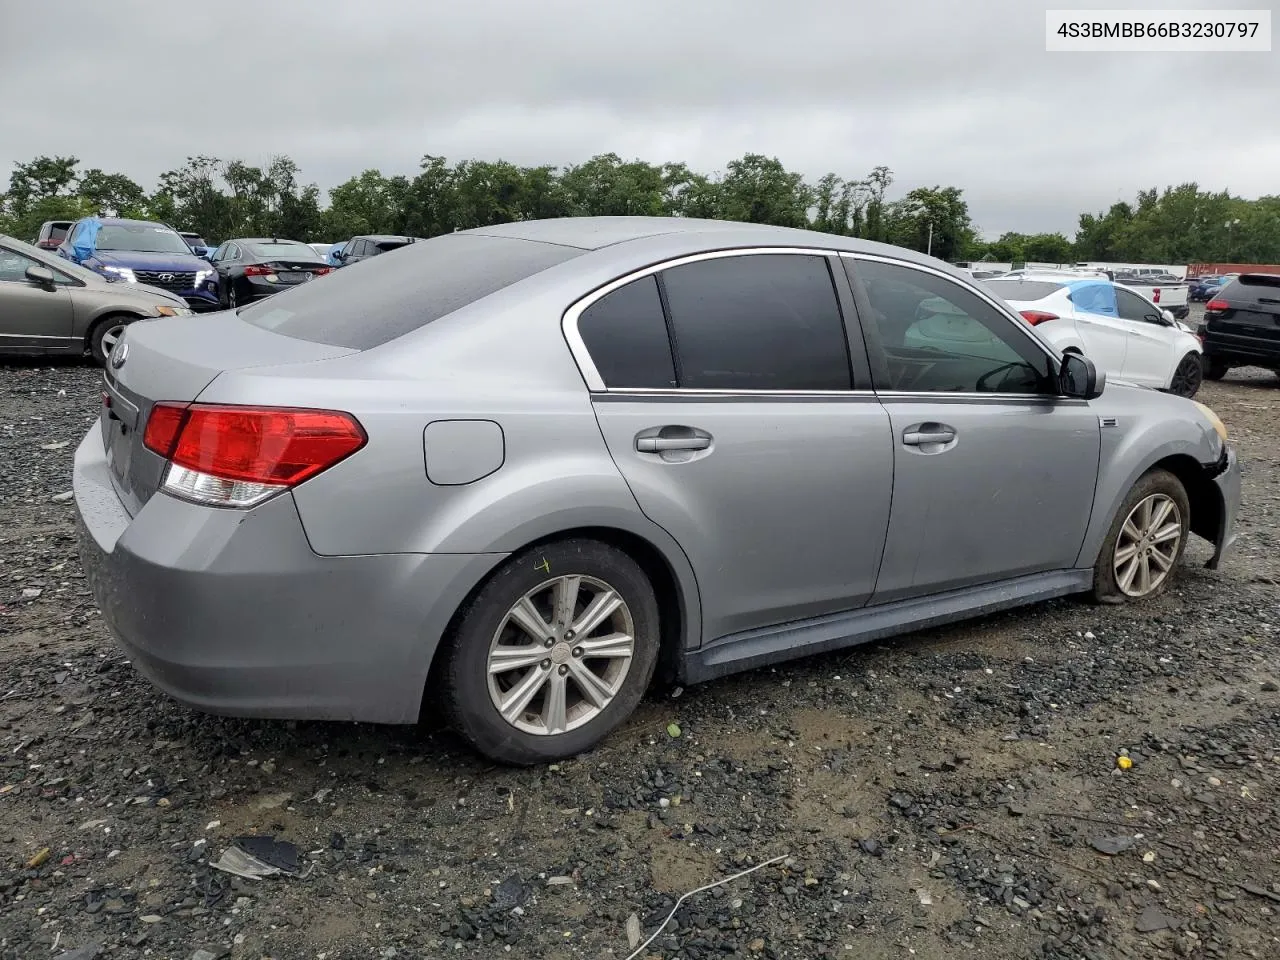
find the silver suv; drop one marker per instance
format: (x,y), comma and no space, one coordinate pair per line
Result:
(512,470)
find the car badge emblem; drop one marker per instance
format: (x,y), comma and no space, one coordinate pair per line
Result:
(166,278)
(119,356)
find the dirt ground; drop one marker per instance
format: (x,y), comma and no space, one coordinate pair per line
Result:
(946,795)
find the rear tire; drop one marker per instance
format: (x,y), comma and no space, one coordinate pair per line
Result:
(103,337)
(1215,369)
(1187,376)
(1145,543)
(517,637)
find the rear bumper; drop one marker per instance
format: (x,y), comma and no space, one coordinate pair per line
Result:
(1227,484)
(1233,348)
(232,613)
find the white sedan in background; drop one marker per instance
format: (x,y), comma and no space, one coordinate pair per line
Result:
(1125,334)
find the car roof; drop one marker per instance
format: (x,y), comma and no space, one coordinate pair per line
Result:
(127,222)
(596,233)
(266,240)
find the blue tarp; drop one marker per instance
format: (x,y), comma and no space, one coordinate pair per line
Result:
(85,240)
(1094,296)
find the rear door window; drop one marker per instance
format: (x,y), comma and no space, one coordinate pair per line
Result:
(392,296)
(1133,307)
(757,322)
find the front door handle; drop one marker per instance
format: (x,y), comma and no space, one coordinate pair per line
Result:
(661,444)
(928,433)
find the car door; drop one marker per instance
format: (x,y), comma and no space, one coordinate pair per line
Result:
(32,316)
(751,443)
(994,473)
(1098,323)
(1149,358)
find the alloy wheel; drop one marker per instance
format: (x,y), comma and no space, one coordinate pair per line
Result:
(560,655)
(112,336)
(1147,547)
(1187,378)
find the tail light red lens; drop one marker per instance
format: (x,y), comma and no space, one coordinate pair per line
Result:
(162,428)
(1155,295)
(1034,317)
(321,271)
(1217,305)
(256,270)
(239,456)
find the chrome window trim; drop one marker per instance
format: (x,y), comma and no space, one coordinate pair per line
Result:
(582,356)
(1002,308)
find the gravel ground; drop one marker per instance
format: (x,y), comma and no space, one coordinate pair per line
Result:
(954,793)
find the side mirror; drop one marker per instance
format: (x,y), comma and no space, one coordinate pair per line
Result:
(1168,316)
(41,277)
(1079,378)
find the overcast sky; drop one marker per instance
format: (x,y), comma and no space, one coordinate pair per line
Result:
(942,92)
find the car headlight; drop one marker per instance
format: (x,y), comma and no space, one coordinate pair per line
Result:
(167,311)
(201,277)
(1219,427)
(121,273)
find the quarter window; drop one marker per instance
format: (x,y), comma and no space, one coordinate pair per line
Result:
(757,322)
(933,335)
(626,334)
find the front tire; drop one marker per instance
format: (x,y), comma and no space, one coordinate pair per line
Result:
(1145,542)
(103,337)
(555,651)
(1187,376)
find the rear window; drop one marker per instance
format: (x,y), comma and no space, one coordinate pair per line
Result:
(387,298)
(59,233)
(1251,286)
(293,251)
(385,245)
(1025,290)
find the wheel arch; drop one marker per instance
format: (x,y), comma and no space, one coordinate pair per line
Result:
(1184,460)
(679,604)
(104,316)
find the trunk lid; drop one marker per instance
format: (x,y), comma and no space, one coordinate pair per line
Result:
(175,359)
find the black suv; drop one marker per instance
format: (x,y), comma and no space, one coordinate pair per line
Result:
(362,248)
(1242,325)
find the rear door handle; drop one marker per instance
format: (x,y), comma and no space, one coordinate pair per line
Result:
(660,444)
(916,438)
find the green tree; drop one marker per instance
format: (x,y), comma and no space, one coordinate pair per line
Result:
(759,189)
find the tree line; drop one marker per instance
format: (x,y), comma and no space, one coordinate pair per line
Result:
(220,199)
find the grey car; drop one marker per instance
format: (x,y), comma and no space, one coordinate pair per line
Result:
(513,471)
(49,305)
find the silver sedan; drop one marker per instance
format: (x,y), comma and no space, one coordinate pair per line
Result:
(512,470)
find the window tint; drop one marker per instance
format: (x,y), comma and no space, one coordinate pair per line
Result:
(1251,287)
(1023,290)
(763,322)
(357,248)
(626,335)
(935,336)
(386,246)
(1133,307)
(392,296)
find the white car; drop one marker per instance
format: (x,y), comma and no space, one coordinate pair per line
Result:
(1124,333)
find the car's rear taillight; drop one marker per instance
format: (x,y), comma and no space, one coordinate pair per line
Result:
(321,271)
(231,456)
(257,270)
(1034,317)
(1217,305)
(1155,295)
